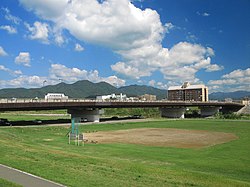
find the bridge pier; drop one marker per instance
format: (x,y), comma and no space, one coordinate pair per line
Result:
(209,110)
(86,114)
(173,112)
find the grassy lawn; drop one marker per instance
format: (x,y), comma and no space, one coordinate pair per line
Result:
(33,115)
(44,151)
(5,183)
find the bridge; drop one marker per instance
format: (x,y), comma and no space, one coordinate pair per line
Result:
(91,110)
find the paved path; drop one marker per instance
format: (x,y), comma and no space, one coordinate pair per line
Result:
(25,179)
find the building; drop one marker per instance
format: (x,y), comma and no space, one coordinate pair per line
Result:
(55,96)
(148,97)
(188,92)
(119,97)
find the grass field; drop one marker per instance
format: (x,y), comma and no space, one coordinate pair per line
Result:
(33,115)
(44,151)
(5,183)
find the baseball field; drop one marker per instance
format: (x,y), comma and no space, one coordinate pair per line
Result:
(153,153)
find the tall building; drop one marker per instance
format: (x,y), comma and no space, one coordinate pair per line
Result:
(188,92)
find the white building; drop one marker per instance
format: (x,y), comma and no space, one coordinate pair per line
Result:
(55,96)
(119,97)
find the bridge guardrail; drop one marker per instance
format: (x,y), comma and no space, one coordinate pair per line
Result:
(35,100)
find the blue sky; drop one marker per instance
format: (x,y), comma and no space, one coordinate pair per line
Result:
(152,42)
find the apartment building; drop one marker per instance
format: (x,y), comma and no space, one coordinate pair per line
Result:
(188,92)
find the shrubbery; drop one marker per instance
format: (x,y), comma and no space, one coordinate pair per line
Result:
(231,115)
(145,112)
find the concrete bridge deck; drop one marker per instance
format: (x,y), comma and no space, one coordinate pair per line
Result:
(41,104)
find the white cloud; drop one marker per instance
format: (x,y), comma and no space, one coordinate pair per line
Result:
(58,37)
(70,75)
(168,26)
(39,31)
(11,72)
(162,85)
(46,9)
(8,16)
(114,80)
(23,59)
(214,67)
(235,80)
(133,33)
(237,74)
(191,37)
(205,14)
(9,29)
(152,83)
(130,71)
(3,68)
(23,81)
(78,47)
(2,52)
(57,73)
(159,85)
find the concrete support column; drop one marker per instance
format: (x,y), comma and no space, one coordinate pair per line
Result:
(171,112)
(86,114)
(209,111)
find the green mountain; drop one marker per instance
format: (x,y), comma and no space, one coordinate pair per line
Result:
(233,95)
(81,89)
(136,90)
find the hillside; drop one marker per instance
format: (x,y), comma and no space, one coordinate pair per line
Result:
(81,89)
(234,95)
(135,90)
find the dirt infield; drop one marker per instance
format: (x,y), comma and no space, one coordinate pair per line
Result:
(167,137)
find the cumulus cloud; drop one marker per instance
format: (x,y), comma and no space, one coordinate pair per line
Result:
(23,81)
(236,80)
(9,29)
(129,70)
(57,73)
(133,33)
(2,52)
(70,75)
(23,59)
(39,31)
(78,47)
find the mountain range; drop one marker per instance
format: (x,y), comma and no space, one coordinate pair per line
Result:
(87,89)
(233,95)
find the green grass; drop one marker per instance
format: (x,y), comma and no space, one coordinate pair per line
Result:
(16,116)
(44,151)
(5,183)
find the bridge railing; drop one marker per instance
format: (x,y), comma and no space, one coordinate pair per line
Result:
(35,100)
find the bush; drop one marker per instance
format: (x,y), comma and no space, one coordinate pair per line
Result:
(230,115)
(145,112)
